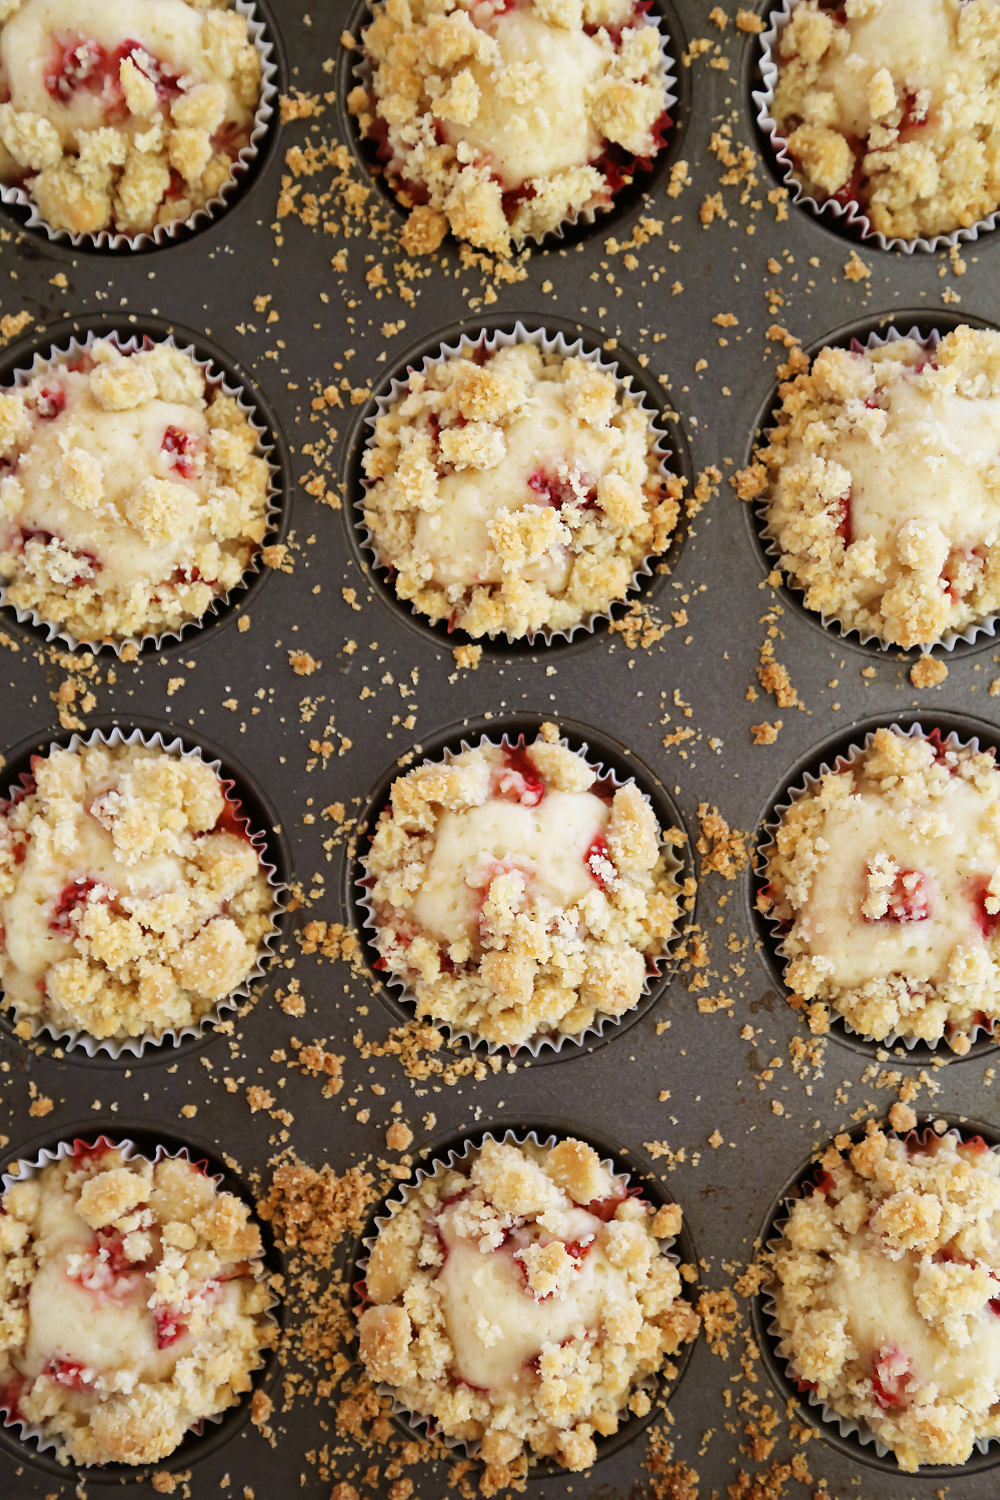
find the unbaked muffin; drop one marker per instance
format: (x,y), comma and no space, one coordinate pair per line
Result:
(503,121)
(885,1293)
(519,1299)
(884,880)
(894,106)
(131,897)
(881,486)
(123,114)
(133,1303)
(516,894)
(131,495)
(516,491)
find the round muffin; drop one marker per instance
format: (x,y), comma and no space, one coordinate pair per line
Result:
(517,895)
(131,897)
(123,114)
(515,491)
(885,1291)
(133,1303)
(893,106)
(881,485)
(502,120)
(884,879)
(131,497)
(519,1298)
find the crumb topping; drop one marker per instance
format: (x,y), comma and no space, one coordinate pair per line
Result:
(131,898)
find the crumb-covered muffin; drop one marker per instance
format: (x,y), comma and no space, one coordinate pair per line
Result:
(516,491)
(894,106)
(885,1292)
(131,495)
(884,879)
(131,897)
(133,1303)
(882,489)
(504,119)
(519,1299)
(517,894)
(123,114)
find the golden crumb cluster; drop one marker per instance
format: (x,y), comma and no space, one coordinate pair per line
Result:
(131,899)
(515,492)
(133,1303)
(520,1299)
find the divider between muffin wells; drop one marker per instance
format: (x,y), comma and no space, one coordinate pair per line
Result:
(927,326)
(612,761)
(559,335)
(267,838)
(353,68)
(23,359)
(19,206)
(854,1440)
(454,1148)
(831,754)
(147,1141)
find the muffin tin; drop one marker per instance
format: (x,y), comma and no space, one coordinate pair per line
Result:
(283,737)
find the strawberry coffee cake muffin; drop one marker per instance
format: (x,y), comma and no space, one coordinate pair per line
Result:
(131,897)
(884,882)
(885,1291)
(517,894)
(518,1299)
(503,120)
(123,114)
(892,107)
(881,485)
(133,1304)
(131,495)
(515,491)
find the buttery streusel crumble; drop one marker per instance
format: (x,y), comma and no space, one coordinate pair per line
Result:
(884,879)
(505,119)
(881,485)
(516,894)
(131,899)
(516,491)
(123,114)
(886,1292)
(131,496)
(132,1303)
(519,1299)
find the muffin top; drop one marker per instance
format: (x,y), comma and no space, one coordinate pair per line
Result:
(885,880)
(881,485)
(131,898)
(132,1303)
(515,491)
(516,894)
(894,105)
(131,496)
(519,1298)
(886,1291)
(504,121)
(123,114)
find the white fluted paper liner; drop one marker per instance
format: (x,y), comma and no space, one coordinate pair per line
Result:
(565,348)
(110,239)
(362,73)
(849,1427)
(461,1160)
(135,1046)
(763,851)
(56,356)
(535,1044)
(27,1169)
(951,638)
(851,215)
